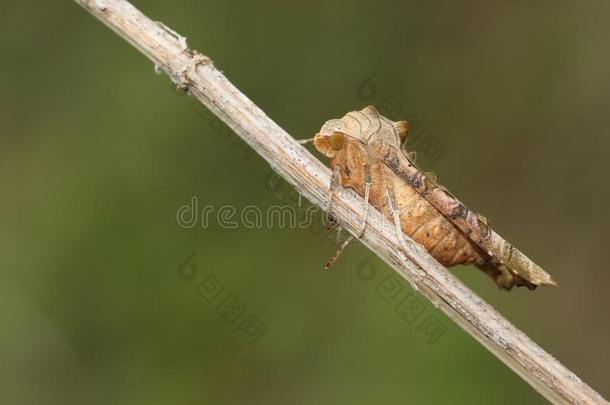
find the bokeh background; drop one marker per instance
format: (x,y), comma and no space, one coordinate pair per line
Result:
(97,154)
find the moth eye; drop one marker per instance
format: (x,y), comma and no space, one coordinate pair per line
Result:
(337,140)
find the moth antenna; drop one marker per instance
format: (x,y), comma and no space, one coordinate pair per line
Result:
(305,141)
(371,111)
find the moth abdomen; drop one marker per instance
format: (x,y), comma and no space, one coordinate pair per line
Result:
(425,225)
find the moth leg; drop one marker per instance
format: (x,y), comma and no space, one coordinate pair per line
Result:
(340,250)
(367,192)
(305,141)
(504,277)
(393,205)
(507,279)
(335,183)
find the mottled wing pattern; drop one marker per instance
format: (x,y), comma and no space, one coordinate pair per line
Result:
(468,221)
(382,139)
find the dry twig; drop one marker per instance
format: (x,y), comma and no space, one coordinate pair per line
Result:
(195,72)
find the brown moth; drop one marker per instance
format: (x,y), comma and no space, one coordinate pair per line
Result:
(366,156)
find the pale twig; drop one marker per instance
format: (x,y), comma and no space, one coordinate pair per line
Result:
(196,74)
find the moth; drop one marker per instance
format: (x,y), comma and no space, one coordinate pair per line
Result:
(366,155)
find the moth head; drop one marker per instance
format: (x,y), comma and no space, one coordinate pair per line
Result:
(329,145)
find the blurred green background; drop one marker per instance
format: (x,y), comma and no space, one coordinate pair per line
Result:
(98,153)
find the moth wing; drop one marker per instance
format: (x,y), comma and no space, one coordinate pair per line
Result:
(472,224)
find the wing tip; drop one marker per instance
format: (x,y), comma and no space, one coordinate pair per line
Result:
(549,283)
(544,280)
